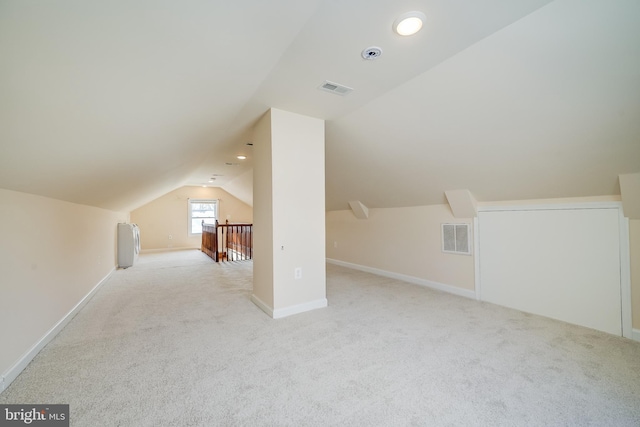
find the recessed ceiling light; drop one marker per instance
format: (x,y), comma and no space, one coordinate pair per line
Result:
(409,23)
(241,157)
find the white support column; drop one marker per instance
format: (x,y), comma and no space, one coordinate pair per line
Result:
(289,214)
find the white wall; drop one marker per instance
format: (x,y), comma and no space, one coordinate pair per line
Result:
(400,240)
(263,213)
(634,243)
(298,208)
(406,241)
(168,215)
(559,263)
(290,226)
(634,249)
(52,254)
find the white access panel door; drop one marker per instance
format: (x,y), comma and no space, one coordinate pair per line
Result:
(562,264)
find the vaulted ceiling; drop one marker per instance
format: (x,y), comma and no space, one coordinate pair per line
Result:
(112,104)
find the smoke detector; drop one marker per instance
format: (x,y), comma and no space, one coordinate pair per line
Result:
(335,88)
(372,52)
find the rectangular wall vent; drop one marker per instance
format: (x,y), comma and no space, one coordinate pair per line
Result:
(456,239)
(335,88)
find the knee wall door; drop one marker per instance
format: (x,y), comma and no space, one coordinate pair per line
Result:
(563,264)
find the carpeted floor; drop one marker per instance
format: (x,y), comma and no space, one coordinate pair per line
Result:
(175,341)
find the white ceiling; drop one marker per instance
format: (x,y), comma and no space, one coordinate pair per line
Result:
(113,104)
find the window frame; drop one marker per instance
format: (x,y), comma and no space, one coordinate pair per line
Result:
(190,217)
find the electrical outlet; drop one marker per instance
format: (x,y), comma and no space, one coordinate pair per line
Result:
(170,236)
(297,273)
(335,243)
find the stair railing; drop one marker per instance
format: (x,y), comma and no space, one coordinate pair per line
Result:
(227,242)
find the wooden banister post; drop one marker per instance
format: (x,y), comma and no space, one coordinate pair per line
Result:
(215,242)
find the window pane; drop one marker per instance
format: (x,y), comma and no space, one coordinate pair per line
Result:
(203,206)
(196,224)
(205,214)
(202,211)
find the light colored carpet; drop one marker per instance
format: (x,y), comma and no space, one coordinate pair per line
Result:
(175,341)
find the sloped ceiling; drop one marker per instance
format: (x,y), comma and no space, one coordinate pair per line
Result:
(113,104)
(548,107)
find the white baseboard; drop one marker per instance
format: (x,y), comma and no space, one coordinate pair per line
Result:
(262,305)
(151,251)
(405,278)
(288,311)
(300,308)
(635,334)
(13,372)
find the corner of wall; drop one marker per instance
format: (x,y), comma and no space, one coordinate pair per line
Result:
(262,305)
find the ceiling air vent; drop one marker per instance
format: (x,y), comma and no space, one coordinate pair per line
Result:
(336,88)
